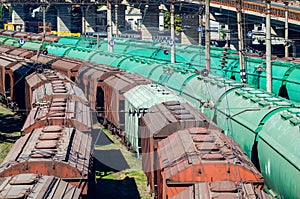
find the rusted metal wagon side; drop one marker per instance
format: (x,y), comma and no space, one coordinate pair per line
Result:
(47,60)
(91,80)
(35,80)
(6,76)
(57,89)
(61,112)
(22,53)
(13,73)
(6,48)
(52,150)
(162,120)
(114,101)
(69,67)
(198,155)
(37,186)
(222,189)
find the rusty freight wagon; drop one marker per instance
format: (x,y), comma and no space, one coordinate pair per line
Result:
(13,73)
(37,186)
(198,155)
(52,150)
(91,80)
(61,112)
(55,89)
(222,189)
(36,80)
(69,67)
(160,121)
(114,101)
(22,53)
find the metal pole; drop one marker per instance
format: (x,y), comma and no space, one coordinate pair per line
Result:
(268,46)
(109,26)
(241,41)
(207,34)
(44,20)
(116,16)
(286,28)
(172,33)
(98,42)
(200,25)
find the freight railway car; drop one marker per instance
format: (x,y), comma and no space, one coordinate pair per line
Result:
(37,186)
(13,71)
(56,137)
(284,83)
(162,120)
(91,80)
(114,89)
(222,189)
(137,101)
(192,155)
(142,101)
(51,150)
(284,79)
(67,105)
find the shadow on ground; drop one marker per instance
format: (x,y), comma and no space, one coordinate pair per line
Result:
(100,138)
(8,125)
(117,189)
(108,162)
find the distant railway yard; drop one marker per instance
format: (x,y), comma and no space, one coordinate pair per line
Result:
(127,125)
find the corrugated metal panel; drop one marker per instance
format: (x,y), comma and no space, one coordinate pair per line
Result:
(44,59)
(91,77)
(179,153)
(6,49)
(64,65)
(36,186)
(114,88)
(137,101)
(144,96)
(206,191)
(71,150)
(278,146)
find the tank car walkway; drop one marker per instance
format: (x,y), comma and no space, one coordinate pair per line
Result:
(119,173)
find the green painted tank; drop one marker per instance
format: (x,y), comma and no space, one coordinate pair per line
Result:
(35,45)
(278,153)
(137,101)
(205,92)
(242,113)
(177,80)
(3,39)
(11,42)
(292,83)
(101,57)
(83,53)
(57,49)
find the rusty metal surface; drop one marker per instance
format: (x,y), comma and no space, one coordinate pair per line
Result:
(67,156)
(44,59)
(114,89)
(6,48)
(71,113)
(207,190)
(9,33)
(161,121)
(22,52)
(35,80)
(21,35)
(90,79)
(49,85)
(184,159)
(67,67)
(36,186)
